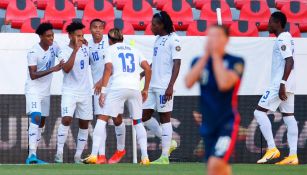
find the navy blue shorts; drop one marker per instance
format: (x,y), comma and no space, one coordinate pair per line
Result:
(221,142)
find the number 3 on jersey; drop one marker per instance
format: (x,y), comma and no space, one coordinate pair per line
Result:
(127,62)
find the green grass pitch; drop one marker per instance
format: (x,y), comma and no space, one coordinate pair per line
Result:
(133,169)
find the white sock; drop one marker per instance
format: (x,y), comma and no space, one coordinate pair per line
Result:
(33,131)
(153,125)
(62,136)
(141,138)
(167,132)
(120,132)
(99,138)
(265,127)
(39,136)
(292,133)
(82,140)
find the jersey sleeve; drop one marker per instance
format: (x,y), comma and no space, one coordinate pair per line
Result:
(32,58)
(238,67)
(56,48)
(284,46)
(63,55)
(176,48)
(107,56)
(141,57)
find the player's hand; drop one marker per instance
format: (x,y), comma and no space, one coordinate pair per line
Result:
(78,43)
(84,41)
(101,99)
(169,93)
(97,88)
(144,95)
(282,92)
(58,67)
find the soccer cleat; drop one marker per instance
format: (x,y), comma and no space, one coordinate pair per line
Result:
(101,159)
(173,147)
(58,158)
(118,155)
(32,159)
(41,162)
(270,155)
(145,161)
(291,160)
(163,160)
(78,160)
(90,160)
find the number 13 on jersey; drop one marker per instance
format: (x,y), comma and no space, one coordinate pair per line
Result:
(127,62)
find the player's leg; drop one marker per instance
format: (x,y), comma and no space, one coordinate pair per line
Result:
(217,166)
(287,109)
(148,109)
(269,101)
(120,131)
(84,111)
(68,106)
(134,103)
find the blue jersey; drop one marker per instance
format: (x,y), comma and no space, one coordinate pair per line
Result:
(218,107)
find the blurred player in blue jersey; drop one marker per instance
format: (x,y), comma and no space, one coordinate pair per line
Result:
(219,75)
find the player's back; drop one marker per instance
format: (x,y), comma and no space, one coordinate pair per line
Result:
(125,61)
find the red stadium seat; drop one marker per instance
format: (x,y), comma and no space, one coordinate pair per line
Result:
(119,4)
(280,3)
(243,28)
(180,12)
(98,9)
(59,11)
(159,4)
(198,28)
(293,29)
(41,4)
(256,11)
(138,13)
(80,4)
(30,25)
(148,30)
(208,11)
(4,3)
(86,30)
(18,11)
(126,27)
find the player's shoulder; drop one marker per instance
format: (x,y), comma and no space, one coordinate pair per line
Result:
(34,49)
(284,36)
(174,37)
(91,43)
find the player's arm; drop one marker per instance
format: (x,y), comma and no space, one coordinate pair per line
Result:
(194,75)
(226,78)
(142,74)
(103,82)
(34,74)
(147,73)
(69,64)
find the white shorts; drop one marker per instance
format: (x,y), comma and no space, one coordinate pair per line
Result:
(36,103)
(271,101)
(97,108)
(80,106)
(156,101)
(115,100)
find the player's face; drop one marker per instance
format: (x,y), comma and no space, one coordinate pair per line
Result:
(272,25)
(156,26)
(97,29)
(217,39)
(77,36)
(47,37)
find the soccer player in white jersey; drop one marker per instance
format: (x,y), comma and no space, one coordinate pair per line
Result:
(76,91)
(97,46)
(122,64)
(165,68)
(41,60)
(280,93)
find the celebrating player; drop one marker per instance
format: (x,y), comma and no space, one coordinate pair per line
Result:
(76,91)
(165,68)
(122,61)
(280,93)
(41,59)
(219,75)
(97,46)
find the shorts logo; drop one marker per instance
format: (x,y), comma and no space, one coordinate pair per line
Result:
(34,105)
(222,145)
(283,47)
(65,110)
(178,48)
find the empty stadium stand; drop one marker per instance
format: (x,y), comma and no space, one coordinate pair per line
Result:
(98,9)
(243,28)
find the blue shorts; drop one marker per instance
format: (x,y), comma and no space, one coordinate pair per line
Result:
(221,141)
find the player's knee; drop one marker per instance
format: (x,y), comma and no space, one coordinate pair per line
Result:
(43,121)
(66,121)
(36,118)
(216,166)
(147,113)
(117,121)
(83,124)
(165,117)
(258,114)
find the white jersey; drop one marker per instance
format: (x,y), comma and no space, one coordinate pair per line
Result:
(126,69)
(283,48)
(97,58)
(77,81)
(44,60)
(166,49)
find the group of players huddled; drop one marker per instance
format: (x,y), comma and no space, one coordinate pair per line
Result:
(116,72)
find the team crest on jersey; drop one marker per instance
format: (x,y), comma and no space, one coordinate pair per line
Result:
(178,48)
(283,47)
(238,67)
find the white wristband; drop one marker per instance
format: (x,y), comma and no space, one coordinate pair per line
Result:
(283,82)
(103,90)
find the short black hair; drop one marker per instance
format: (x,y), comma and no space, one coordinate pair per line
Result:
(75,25)
(164,17)
(280,17)
(115,35)
(224,28)
(43,27)
(97,20)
